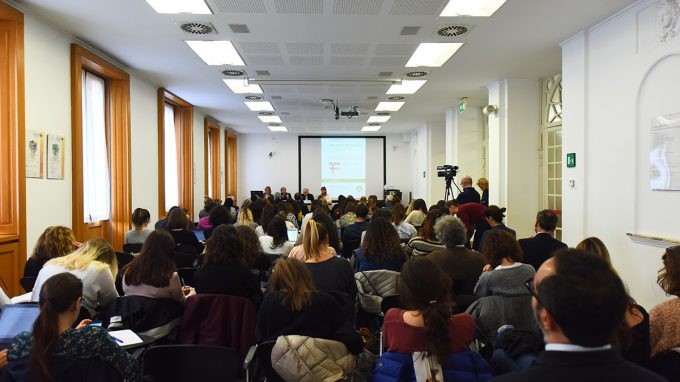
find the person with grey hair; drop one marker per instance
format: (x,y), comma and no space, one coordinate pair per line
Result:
(463,265)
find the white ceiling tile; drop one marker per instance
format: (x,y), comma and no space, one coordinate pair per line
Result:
(349,49)
(264,60)
(357,7)
(302,7)
(306,60)
(248,47)
(389,60)
(395,49)
(304,48)
(417,7)
(237,6)
(348,60)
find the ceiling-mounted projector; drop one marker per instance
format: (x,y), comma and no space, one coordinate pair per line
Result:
(335,105)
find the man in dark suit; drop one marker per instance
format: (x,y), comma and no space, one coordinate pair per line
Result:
(579,303)
(306,195)
(351,235)
(284,194)
(469,194)
(540,248)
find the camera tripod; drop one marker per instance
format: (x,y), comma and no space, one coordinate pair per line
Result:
(448,190)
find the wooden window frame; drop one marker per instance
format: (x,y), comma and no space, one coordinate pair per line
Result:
(230,164)
(212,128)
(12,153)
(184,117)
(118,144)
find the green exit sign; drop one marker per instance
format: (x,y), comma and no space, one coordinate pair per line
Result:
(462,105)
(571,160)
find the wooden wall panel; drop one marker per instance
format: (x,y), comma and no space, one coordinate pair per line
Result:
(10,263)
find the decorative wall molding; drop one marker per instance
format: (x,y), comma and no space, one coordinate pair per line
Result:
(667,19)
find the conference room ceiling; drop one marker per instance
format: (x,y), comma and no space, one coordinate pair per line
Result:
(345,44)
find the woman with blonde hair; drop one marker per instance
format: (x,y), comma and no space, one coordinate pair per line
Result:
(95,264)
(597,247)
(55,241)
(245,216)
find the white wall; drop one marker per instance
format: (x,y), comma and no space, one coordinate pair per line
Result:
(617,76)
(464,141)
(256,170)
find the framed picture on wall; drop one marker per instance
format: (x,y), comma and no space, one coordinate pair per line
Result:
(34,153)
(55,156)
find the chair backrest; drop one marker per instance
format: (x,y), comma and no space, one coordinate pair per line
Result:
(170,363)
(183,260)
(65,370)
(190,250)
(27,283)
(464,366)
(132,248)
(123,259)
(154,317)
(211,319)
(373,286)
(492,312)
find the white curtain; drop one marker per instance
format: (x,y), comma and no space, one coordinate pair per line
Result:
(171,159)
(96,181)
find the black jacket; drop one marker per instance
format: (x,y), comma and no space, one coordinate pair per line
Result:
(469,195)
(539,248)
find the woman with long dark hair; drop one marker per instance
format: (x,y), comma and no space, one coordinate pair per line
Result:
(418,213)
(276,240)
(381,248)
(177,227)
(405,230)
(152,273)
(426,325)
(53,336)
(268,213)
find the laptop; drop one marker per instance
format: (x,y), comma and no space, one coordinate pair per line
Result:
(15,319)
(199,234)
(292,234)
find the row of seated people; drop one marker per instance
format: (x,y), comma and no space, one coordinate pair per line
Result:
(470,274)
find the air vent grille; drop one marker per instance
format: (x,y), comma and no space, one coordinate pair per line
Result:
(266,113)
(395,98)
(453,30)
(382,113)
(416,74)
(198,28)
(253,98)
(233,73)
(373,124)
(262,72)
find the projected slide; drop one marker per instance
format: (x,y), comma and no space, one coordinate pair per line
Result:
(343,165)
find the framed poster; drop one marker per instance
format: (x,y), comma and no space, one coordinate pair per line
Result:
(664,155)
(34,153)
(55,156)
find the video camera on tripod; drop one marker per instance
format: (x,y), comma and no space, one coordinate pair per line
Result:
(448,172)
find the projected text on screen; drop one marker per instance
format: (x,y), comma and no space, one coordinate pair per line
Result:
(343,165)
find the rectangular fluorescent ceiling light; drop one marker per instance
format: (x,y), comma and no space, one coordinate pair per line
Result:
(406,87)
(277,128)
(371,128)
(378,118)
(239,86)
(475,8)
(269,118)
(196,7)
(389,106)
(433,54)
(217,52)
(260,106)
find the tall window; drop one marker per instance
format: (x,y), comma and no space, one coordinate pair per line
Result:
(175,151)
(231,164)
(551,134)
(100,129)
(172,153)
(211,148)
(96,181)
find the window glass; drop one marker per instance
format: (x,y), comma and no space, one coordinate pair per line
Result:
(96,180)
(171,159)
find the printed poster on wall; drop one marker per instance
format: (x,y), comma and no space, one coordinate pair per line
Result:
(55,156)
(664,155)
(34,154)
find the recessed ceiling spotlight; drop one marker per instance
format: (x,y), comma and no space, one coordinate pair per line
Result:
(396,98)
(233,73)
(416,74)
(453,30)
(478,8)
(253,98)
(196,7)
(216,52)
(406,87)
(433,54)
(265,113)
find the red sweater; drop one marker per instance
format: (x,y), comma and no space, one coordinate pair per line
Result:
(404,338)
(471,214)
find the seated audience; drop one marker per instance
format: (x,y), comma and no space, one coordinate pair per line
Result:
(469,194)
(285,210)
(427,240)
(231,210)
(426,324)
(224,270)
(204,221)
(504,274)
(372,204)
(579,303)
(665,317)
(55,241)
(268,213)
(329,272)
(463,266)
(418,214)
(298,252)
(276,242)
(252,249)
(138,233)
(539,248)
(406,231)
(471,214)
(245,216)
(494,217)
(152,273)
(381,248)
(54,338)
(203,213)
(294,307)
(351,234)
(164,220)
(177,226)
(333,234)
(349,217)
(95,264)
